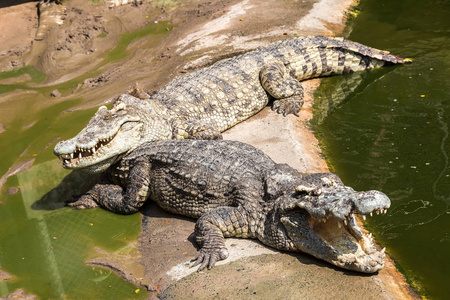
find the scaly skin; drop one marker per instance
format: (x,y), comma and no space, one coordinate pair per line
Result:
(237,191)
(204,103)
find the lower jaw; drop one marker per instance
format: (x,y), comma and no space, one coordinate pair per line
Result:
(96,167)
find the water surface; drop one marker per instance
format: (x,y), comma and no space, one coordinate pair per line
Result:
(388,130)
(44,246)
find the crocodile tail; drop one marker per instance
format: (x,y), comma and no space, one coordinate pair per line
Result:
(342,44)
(352,56)
(325,56)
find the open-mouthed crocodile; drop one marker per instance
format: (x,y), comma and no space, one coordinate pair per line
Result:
(238,191)
(206,102)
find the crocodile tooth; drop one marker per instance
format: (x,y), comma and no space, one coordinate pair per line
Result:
(93,150)
(71,155)
(371,214)
(370,235)
(339,224)
(378,212)
(385,211)
(79,155)
(345,222)
(364,217)
(382,250)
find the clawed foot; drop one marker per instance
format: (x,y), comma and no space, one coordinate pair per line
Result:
(83,202)
(207,135)
(208,257)
(287,106)
(195,129)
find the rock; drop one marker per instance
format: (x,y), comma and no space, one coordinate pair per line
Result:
(12,190)
(4,275)
(55,93)
(20,294)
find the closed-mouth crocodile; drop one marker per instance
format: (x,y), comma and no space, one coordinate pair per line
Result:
(235,190)
(206,102)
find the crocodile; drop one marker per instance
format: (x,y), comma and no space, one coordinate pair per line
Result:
(206,102)
(235,190)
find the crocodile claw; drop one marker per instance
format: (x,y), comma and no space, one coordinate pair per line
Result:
(209,257)
(286,107)
(84,202)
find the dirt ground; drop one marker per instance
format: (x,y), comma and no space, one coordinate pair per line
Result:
(199,32)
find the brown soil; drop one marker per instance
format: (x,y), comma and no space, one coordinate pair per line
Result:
(204,32)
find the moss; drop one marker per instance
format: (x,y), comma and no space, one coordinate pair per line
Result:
(36,75)
(353,11)
(350,15)
(166,3)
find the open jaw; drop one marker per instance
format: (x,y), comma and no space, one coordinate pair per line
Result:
(81,154)
(340,242)
(100,153)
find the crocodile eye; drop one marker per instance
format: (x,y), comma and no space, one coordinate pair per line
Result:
(120,106)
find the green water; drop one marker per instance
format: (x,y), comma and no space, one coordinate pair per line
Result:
(388,130)
(44,245)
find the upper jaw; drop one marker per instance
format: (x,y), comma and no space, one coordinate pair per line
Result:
(97,157)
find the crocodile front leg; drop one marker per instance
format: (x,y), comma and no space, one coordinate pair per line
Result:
(195,129)
(210,231)
(277,81)
(116,199)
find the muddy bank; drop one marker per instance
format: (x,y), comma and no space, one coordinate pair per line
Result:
(195,34)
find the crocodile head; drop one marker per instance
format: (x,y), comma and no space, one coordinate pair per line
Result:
(320,220)
(111,133)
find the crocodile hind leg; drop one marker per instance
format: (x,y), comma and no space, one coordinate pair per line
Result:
(288,92)
(210,231)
